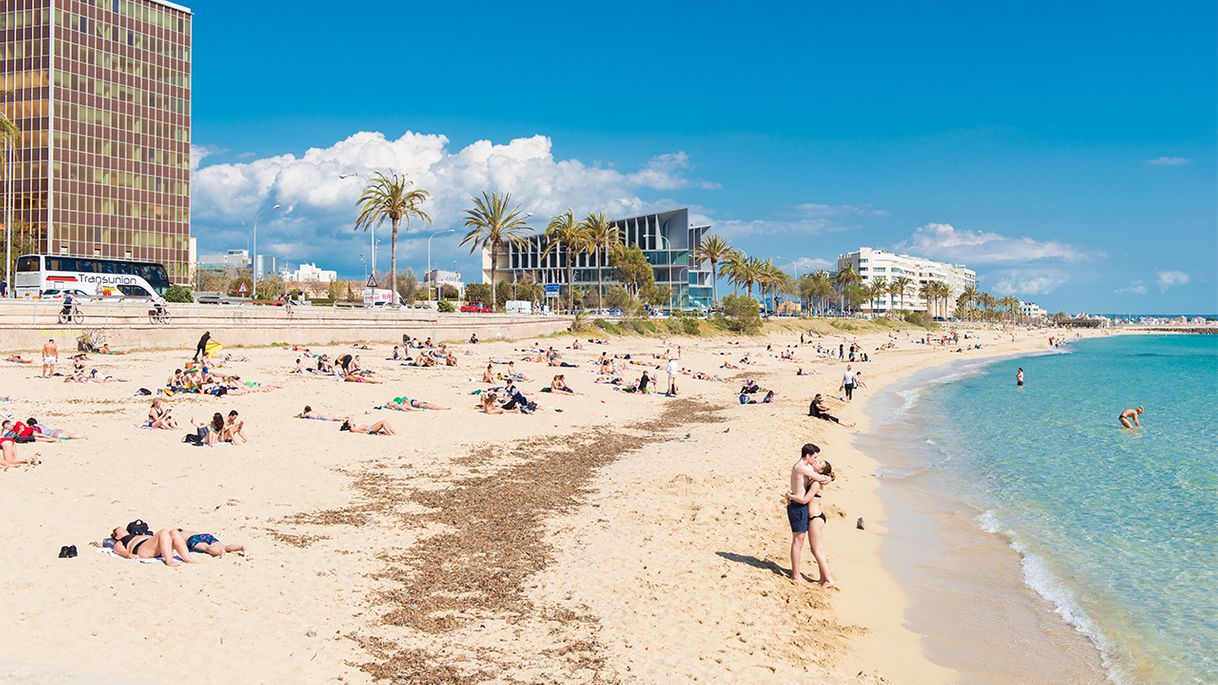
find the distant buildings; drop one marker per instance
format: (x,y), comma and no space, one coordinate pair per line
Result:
(667,239)
(871,265)
(100,91)
(1032,310)
(231,260)
(267,265)
(309,273)
(437,278)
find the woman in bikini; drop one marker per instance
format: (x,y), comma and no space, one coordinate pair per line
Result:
(559,384)
(490,405)
(407,404)
(308,413)
(158,417)
(817,520)
(8,454)
(378,428)
(488,376)
(161,544)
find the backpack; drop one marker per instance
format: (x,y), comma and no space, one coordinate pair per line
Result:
(193,439)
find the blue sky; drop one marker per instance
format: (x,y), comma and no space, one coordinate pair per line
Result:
(1067,153)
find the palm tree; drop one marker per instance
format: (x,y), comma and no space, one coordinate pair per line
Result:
(900,285)
(967,297)
(822,286)
(845,276)
(565,232)
(750,273)
(715,249)
(943,294)
(492,220)
(391,197)
(877,289)
(734,267)
(926,291)
(602,237)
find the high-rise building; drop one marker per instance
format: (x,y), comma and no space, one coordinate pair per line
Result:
(872,265)
(667,240)
(100,90)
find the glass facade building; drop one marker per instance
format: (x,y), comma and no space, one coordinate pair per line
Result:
(667,239)
(100,90)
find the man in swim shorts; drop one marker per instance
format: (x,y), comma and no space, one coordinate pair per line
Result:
(50,357)
(802,474)
(1129,417)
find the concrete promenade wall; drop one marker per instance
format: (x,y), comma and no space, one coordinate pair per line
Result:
(25,326)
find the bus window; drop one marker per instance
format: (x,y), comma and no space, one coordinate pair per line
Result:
(28,263)
(109,267)
(53,264)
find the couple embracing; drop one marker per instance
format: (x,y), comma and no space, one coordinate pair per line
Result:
(809,476)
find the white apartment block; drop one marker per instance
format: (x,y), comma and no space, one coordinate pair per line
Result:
(1032,310)
(871,264)
(309,273)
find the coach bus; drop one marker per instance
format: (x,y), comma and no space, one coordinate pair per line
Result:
(37,274)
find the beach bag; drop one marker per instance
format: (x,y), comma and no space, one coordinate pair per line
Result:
(138,527)
(192,439)
(744,399)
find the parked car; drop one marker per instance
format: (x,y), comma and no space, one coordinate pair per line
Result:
(476,308)
(79,295)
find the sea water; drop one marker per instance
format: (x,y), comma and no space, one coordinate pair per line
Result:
(1116,529)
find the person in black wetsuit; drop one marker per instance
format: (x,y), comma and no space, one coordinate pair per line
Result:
(201,349)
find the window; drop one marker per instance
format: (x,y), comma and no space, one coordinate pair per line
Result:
(30,263)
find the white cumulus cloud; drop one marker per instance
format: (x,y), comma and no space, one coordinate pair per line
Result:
(1135,288)
(806,265)
(1169,161)
(319,207)
(946,242)
(1027,282)
(1168,279)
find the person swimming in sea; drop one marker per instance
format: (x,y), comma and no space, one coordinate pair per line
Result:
(1019,378)
(1129,417)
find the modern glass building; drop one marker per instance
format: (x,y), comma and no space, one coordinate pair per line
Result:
(667,239)
(100,90)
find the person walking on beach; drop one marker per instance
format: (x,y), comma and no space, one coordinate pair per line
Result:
(674,370)
(848,382)
(1019,378)
(1129,417)
(803,473)
(50,357)
(201,348)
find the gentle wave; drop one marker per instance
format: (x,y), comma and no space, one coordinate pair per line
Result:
(1043,581)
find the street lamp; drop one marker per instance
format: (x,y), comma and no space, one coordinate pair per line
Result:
(254,256)
(371,228)
(433,278)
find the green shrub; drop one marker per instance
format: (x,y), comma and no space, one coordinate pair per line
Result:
(741,314)
(445,307)
(179,293)
(920,319)
(843,324)
(640,326)
(607,326)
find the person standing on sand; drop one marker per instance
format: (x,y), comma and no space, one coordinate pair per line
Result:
(803,473)
(848,382)
(1019,378)
(1129,417)
(201,348)
(50,357)
(674,370)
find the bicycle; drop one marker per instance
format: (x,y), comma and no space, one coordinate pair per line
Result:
(158,315)
(70,315)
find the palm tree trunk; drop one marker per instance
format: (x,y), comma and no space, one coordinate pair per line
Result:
(600,286)
(393,263)
(570,283)
(714,285)
(494,291)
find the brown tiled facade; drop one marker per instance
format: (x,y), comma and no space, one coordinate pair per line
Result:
(100,90)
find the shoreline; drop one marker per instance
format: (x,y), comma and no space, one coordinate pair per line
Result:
(957,569)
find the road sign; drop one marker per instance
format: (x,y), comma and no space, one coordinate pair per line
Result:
(242,290)
(551,290)
(372,281)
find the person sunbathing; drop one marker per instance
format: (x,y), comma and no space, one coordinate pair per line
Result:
(378,428)
(559,385)
(159,418)
(206,543)
(488,376)
(407,404)
(308,413)
(490,405)
(164,543)
(300,367)
(18,359)
(820,410)
(45,434)
(352,378)
(8,454)
(234,428)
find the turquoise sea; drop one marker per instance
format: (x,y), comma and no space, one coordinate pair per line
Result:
(1116,529)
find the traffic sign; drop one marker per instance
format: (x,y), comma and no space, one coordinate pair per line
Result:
(372,281)
(551,290)
(242,290)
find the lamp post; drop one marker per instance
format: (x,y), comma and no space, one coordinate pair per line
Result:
(371,229)
(433,278)
(254,256)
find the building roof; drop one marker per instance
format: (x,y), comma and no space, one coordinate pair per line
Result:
(173,5)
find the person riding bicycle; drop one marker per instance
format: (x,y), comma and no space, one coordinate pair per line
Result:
(69,304)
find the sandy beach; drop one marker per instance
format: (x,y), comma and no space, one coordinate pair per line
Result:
(608,537)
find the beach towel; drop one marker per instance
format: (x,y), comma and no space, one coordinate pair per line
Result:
(155,560)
